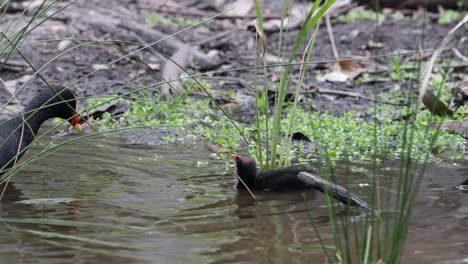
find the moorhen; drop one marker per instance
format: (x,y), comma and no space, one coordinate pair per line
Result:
(295,178)
(464,185)
(275,180)
(17,133)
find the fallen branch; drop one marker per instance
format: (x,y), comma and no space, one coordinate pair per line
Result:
(460,55)
(350,94)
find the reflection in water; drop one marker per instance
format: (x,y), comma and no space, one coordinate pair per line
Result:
(11,195)
(155,203)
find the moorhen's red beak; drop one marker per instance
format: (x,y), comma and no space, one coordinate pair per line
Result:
(75,122)
(235,157)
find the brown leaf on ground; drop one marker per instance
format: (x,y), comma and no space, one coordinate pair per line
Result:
(343,71)
(352,68)
(434,105)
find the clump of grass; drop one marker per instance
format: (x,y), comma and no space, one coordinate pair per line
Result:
(397,72)
(274,157)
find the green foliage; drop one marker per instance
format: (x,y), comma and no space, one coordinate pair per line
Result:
(448,16)
(397,70)
(361,15)
(191,85)
(461,113)
(396,73)
(347,136)
(440,82)
(369,15)
(362,79)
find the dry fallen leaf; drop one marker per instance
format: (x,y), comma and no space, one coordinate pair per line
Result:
(333,76)
(374,45)
(10,86)
(62,45)
(352,69)
(100,67)
(434,105)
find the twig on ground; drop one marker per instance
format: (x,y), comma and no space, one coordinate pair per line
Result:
(350,94)
(459,55)
(332,38)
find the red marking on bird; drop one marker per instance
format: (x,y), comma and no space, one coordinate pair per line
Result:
(75,121)
(242,159)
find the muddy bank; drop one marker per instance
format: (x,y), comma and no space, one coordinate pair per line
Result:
(230,40)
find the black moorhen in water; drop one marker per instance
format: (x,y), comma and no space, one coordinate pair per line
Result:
(47,104)
(464,182)
(464,185)
(275,180)
(292,178)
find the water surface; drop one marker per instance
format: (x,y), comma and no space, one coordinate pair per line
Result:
(174,203)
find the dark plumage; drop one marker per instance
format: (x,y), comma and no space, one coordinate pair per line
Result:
(47,104)
(465,182)
(288,178)
(279,179)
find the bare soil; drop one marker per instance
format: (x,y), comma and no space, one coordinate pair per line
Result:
(231,41)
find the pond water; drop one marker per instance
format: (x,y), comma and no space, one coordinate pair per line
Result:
(173,203)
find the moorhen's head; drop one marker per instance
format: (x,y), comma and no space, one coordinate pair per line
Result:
(59,102)
(246,169)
